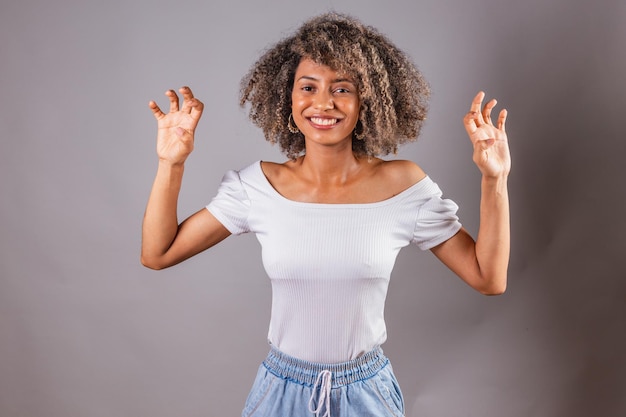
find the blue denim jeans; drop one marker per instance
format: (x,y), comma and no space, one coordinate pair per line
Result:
(290,387)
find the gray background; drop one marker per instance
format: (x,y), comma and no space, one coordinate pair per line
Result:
(86,331)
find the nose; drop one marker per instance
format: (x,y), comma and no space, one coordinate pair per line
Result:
(324,101)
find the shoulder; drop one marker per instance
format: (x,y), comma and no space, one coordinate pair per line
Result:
(271,167)
(275,171)
(401,173)
(389,178)
(282,176)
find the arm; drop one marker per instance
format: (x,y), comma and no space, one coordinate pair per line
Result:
(164,241)
(483,264)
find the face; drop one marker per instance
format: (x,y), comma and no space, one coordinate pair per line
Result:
(325,104)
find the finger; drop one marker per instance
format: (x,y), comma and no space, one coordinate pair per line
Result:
(473,119)
(487,111)
(502,120)
(475,108)
(171,94)
(469,121)
(186,92)
(191,104)
(155,109)
(187,98)
(196,108)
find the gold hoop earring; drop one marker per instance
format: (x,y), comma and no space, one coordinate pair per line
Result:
(359,136)
(290,125)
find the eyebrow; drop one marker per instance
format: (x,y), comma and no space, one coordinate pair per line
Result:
(338,80)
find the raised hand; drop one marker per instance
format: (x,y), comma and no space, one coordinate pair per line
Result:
(175,135)
(491,147)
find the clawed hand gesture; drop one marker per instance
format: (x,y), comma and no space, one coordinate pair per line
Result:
(176,129)
(491,148)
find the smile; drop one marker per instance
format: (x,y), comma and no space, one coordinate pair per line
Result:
(323,122)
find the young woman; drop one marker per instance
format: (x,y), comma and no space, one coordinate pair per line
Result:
(335,96)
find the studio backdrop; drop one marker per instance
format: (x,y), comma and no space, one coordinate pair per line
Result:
(86,331)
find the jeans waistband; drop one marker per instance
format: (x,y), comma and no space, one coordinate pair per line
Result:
(306,373)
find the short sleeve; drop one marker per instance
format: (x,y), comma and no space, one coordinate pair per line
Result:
(231,205)
(436,220)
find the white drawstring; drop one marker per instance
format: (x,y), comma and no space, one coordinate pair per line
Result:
(324,382)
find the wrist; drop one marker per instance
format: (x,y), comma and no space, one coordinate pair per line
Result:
(170,165)
(170,172)
(495,178)
(497,183)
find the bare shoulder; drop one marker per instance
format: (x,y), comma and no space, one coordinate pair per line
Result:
(273,170)
(280,175)
(402,173)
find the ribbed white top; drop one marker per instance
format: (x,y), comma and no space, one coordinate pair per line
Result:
(330,264)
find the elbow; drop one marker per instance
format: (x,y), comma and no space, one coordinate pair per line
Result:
(494,291)
(496,288)
(152,263)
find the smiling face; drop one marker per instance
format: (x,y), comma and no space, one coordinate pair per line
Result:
(325,104)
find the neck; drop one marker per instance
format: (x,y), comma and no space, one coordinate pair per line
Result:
(329,166)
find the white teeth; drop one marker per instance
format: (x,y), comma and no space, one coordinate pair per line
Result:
(323,122)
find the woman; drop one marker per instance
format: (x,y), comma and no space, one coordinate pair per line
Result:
(331,220)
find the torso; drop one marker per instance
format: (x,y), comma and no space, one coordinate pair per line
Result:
(330,254)
(368,182)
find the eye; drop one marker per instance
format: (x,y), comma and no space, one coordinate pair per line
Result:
(344,88)
(307,88)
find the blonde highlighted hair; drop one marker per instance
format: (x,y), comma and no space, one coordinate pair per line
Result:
(393,93)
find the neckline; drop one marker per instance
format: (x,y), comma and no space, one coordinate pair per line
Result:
(386,201)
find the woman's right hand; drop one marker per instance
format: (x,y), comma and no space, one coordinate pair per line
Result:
(175,135)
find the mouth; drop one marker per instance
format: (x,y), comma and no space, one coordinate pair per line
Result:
(325,122)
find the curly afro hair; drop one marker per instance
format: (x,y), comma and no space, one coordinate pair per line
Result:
(393,93)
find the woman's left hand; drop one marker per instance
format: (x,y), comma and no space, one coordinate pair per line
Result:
(491,147)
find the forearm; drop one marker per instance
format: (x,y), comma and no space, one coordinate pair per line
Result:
(160,223)
(493,241)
